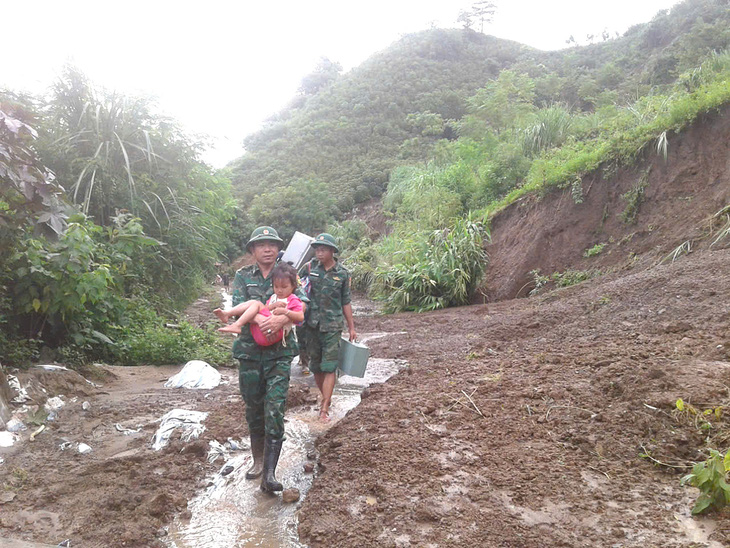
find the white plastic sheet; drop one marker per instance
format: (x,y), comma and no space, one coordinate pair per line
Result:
(22,393)
(189,422)
(15,425)
(54,404)
(8,439)
(126,431)
(83,448)
(195,374)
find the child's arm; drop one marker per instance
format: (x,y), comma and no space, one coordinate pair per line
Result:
(295,316)
(294,310)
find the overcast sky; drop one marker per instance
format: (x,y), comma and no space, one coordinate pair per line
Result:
(221,68)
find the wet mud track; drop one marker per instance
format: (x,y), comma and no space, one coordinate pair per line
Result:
(123,493)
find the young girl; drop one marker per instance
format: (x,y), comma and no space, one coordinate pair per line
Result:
(282,302)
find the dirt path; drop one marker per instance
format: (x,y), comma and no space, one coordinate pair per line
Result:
(522,423)
(567,390)
(122,493)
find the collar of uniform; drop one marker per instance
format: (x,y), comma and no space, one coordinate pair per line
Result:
(317,264)
(256,269)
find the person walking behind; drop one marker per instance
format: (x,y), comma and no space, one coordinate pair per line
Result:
(329,306)
(263,374)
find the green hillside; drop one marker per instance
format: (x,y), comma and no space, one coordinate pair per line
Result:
(351,133)
(337,143)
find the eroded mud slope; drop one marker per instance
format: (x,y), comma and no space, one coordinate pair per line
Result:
(678,196)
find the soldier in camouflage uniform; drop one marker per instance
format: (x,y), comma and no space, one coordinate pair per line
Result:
(330,304)
(263,374)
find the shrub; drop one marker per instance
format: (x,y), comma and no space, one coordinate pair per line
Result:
(710,477)
(431,269)
(634,199)
(593,251)
(143,338)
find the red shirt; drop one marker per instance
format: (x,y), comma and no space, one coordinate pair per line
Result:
(292,303)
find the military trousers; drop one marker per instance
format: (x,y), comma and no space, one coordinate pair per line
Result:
(302,341)
(264,385)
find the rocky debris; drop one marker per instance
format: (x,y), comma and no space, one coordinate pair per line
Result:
(290,495)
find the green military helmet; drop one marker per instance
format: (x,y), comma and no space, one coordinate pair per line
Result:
(264,233)
(326,239)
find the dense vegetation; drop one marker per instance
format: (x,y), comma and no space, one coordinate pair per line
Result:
(108,223)
(449,124)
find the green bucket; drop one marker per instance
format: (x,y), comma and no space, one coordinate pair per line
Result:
(353,358)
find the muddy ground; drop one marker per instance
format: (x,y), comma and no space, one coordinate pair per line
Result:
(520,423)
(122,493)
(523,423)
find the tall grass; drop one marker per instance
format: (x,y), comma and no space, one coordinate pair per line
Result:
(551,128)
(429,270)
(628,132)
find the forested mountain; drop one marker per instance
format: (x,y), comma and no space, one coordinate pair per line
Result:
(349,133)
(337,142)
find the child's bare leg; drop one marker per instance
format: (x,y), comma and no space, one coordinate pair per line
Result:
(252,310)
(225,315)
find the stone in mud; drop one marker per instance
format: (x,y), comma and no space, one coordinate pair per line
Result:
(227,470)
(308,467)
(290,495)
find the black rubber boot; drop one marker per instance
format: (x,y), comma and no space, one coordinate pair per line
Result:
(272,450)
(257,450)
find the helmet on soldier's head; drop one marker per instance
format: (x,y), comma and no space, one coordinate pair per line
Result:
(262,234)
(326,239)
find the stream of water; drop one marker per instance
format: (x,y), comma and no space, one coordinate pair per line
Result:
(233,512)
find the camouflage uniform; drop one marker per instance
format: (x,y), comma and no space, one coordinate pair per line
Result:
(263,375)
(330,291)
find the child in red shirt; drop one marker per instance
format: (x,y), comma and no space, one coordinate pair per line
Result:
(282,302)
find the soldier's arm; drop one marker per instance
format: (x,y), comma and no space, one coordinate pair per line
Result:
(347,307)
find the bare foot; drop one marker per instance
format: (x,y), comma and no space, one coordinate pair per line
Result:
(324,416)
(222,316)
(233,328)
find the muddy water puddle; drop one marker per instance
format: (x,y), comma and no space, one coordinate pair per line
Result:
(233,512)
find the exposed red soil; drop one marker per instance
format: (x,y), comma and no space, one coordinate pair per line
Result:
(567,388)
(552,233)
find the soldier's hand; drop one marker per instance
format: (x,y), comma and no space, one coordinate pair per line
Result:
(273,323)
(353,334)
